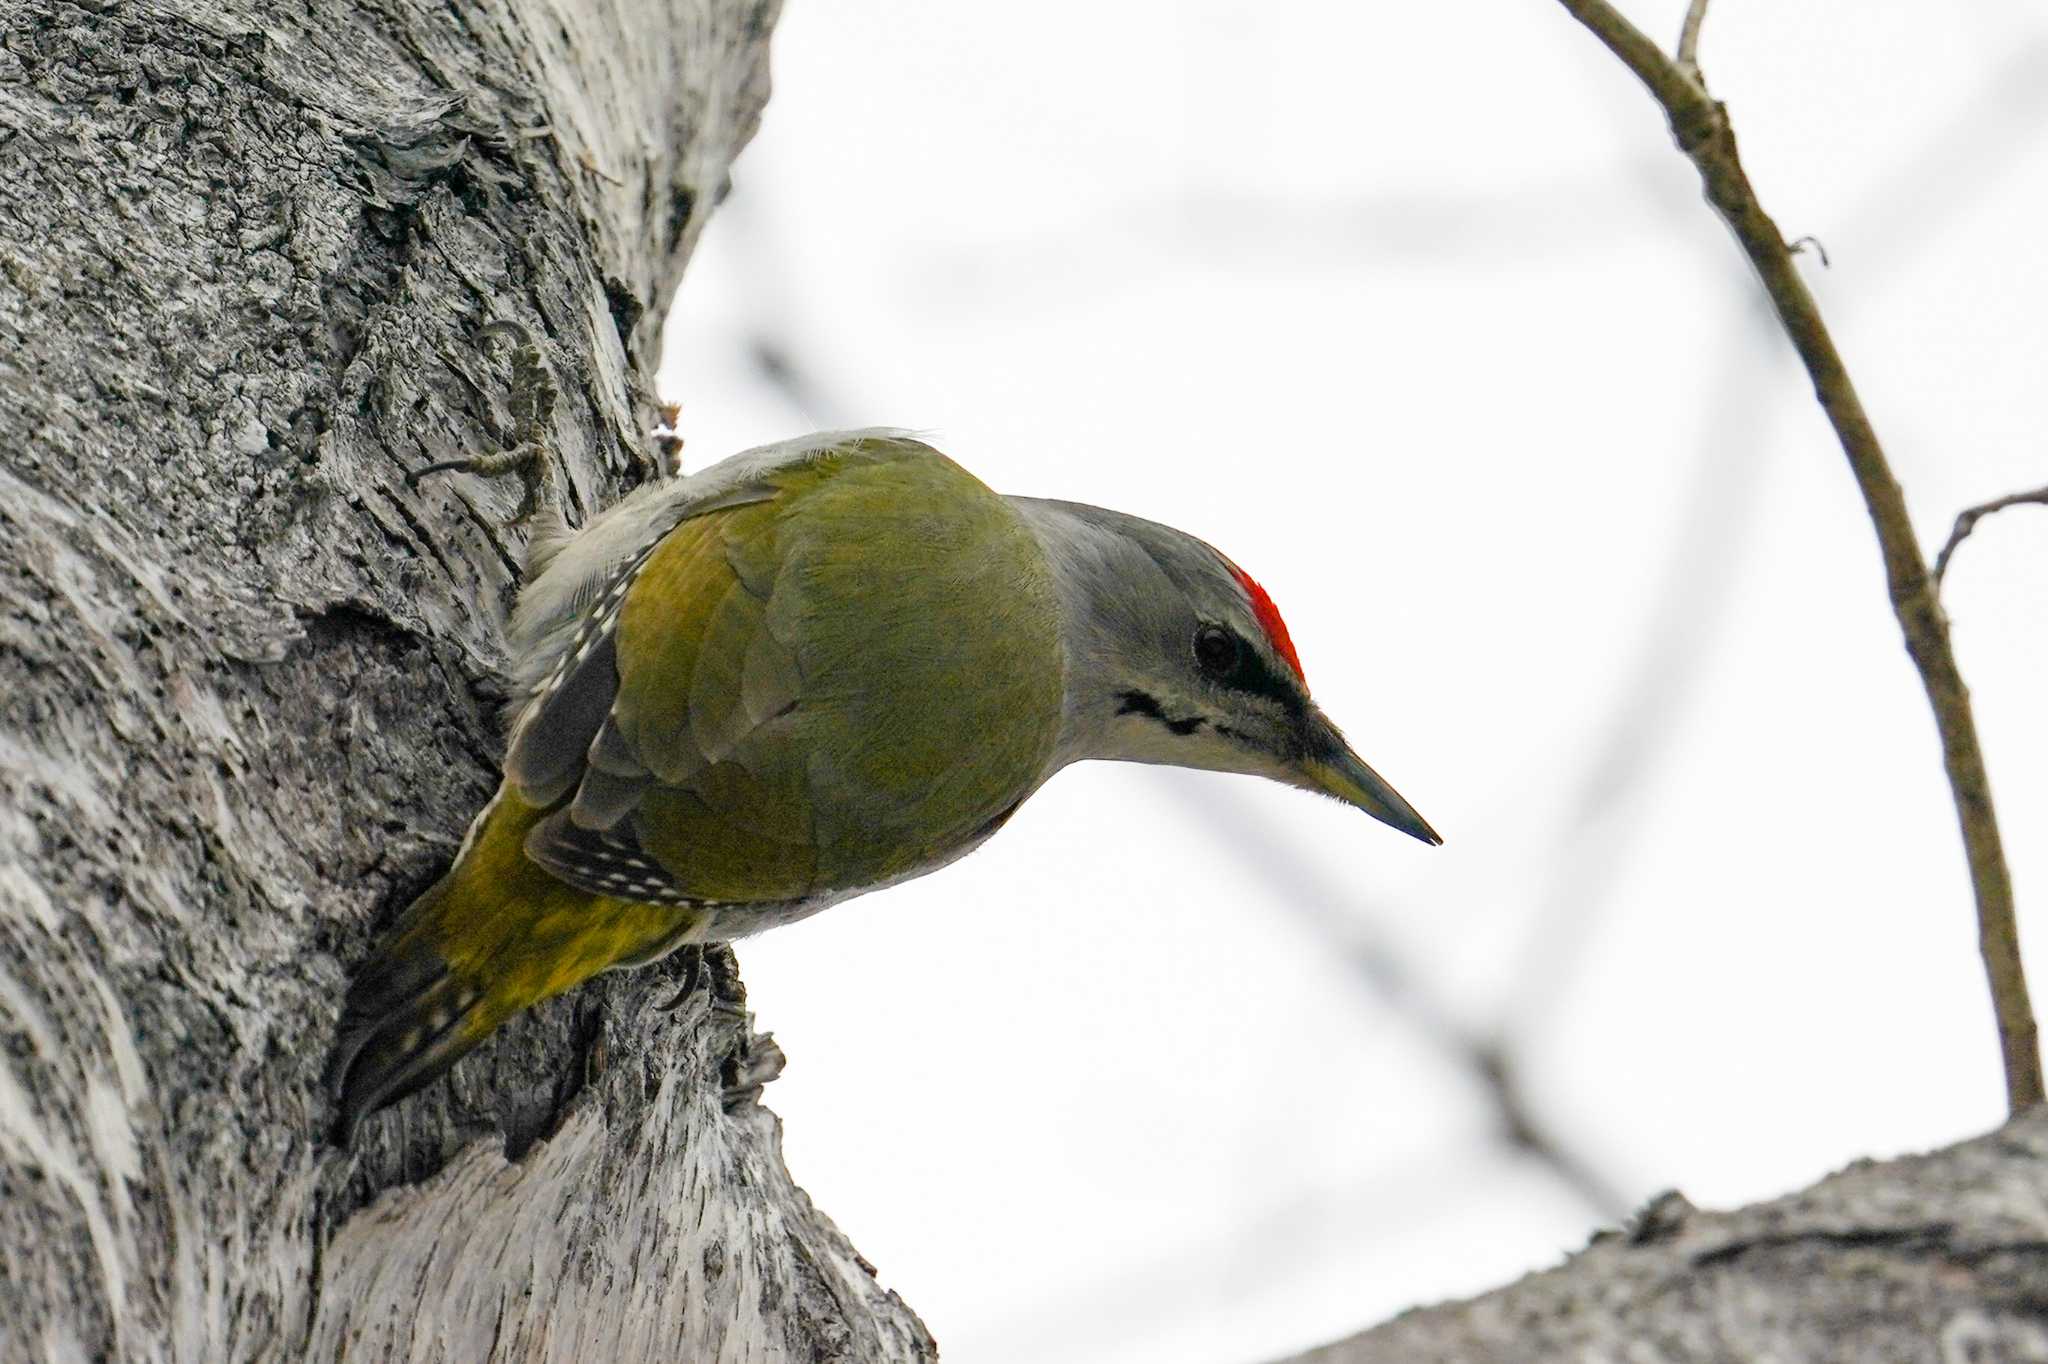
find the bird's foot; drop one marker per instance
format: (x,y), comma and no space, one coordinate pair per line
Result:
(751,1059)
(715,963)
(532,403)
(728,991)
(754,1059)
(693,972)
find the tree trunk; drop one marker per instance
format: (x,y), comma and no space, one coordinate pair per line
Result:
(247,696)
(1940,1258)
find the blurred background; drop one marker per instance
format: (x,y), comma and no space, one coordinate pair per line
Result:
(1415,312)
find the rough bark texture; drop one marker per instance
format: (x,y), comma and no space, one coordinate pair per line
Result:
(246,683)
(1936,1259)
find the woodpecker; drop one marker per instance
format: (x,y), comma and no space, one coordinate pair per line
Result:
(810,671)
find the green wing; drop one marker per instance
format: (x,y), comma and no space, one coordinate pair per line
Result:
(838,679)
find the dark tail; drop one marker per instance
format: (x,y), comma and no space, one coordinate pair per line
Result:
(407,1019)
(496,934)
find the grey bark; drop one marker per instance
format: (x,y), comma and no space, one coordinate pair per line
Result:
(247,696)
(1935,1259)
(248,702)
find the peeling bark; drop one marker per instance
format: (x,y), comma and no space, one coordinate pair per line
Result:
(248,696)
(1941,1258)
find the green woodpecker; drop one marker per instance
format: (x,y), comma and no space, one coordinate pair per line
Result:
(810,671)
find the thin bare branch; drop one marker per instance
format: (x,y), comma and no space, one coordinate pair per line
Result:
(1819,248)
(1967,519)
(1683,96)
(1701,127)
(1689,38)
(1938,183)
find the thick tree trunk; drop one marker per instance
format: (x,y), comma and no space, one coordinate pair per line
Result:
(1940,1258)
(247,704)
(246,695)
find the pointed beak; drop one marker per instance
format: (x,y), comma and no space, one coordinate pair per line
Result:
(1332,768)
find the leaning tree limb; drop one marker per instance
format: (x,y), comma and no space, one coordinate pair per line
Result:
(247,254)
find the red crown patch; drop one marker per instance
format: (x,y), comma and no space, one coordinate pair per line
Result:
(1268,616)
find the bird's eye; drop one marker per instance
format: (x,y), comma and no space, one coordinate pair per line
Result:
(1216,650)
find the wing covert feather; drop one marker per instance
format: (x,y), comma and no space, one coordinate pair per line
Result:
(803,691)
(691,677)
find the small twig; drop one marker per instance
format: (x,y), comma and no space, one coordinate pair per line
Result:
(1485,1055)
(1525,1132)
(1700,125)
(1689,38)
(1967,519)
(1799,244)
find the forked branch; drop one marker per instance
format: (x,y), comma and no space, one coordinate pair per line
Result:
(1700,125)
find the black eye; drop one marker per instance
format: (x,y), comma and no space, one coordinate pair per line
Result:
(1217,650)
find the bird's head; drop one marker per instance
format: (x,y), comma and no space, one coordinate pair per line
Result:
(1175,655)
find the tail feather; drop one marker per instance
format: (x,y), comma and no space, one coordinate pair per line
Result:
(407,1019)
(494,935)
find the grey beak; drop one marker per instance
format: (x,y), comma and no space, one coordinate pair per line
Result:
(1335,770)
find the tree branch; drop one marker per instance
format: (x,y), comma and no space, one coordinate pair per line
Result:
(1966,522)
(1700,125)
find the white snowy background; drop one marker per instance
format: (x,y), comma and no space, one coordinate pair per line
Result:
(1414,311)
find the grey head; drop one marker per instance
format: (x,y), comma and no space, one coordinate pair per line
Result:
(1175,655)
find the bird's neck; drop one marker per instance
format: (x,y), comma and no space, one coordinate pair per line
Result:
(1091,563)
